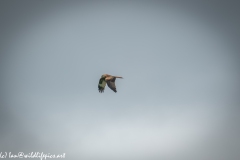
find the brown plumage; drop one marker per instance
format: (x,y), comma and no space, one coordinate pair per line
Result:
(109,80)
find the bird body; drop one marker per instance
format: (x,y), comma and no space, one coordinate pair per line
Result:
(109,80)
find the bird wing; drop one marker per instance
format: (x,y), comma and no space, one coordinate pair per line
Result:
(101,85)
(111,84)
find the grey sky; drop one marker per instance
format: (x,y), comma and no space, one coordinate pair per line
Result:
(179,98)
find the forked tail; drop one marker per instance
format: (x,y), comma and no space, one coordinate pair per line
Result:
(118,77)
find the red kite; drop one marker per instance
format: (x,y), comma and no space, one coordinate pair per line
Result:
(110,80)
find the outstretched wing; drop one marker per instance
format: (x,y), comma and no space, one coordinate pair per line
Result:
(111,84)
(101,85)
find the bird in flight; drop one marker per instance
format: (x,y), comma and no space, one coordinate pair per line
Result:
(110,80)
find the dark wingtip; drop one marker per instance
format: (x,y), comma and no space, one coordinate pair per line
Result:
(100,89)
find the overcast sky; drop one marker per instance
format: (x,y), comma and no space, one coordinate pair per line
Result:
(179,99)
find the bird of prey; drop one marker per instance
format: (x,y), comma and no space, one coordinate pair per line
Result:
(110,80)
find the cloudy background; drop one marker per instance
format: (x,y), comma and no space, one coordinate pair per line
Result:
(179,99)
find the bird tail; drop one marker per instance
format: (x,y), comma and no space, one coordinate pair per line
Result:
(118,77)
